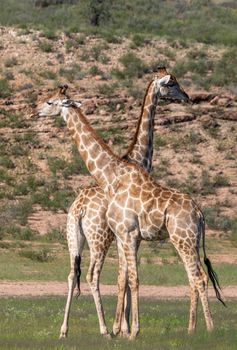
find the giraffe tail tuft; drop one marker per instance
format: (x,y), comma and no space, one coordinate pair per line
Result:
(211,273)
(77,271)
(213,277)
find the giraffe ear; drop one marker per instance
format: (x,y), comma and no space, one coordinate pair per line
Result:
(71,103)
(63,89)
(164,80)
(77,104)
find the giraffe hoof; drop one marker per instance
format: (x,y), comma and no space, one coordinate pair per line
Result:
(107,336)
(132,337)
(124,334)
(63,336)
(115,331)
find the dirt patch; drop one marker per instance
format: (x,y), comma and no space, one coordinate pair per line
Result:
(39,289)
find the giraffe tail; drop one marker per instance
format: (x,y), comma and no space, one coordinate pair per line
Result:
(77,271)
(211,273)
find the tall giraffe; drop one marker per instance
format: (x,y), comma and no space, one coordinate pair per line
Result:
(139,208)
(87,215)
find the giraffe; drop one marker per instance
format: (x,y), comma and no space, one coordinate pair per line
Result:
(91,204)
(139,208)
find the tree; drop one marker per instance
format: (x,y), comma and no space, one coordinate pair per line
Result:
(98,11)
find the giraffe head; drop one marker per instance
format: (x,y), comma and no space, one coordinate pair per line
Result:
(167,86)
(57,104)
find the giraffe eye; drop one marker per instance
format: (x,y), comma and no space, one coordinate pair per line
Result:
(49,103)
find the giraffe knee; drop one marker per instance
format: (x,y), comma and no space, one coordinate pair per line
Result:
(133,283)
(71,276)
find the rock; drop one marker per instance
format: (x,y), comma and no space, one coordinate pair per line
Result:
(224,102)
(202,97)
(176,118)
(214,100)
(89,107)
(118,107)
(208,121)
(102,112)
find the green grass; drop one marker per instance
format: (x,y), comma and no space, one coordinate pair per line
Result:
(201,21)
(35,324)
(57,269)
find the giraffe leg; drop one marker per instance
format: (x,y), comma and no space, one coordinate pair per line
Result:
(193,309)
(130,247)
(92,278)
(198,281)
(76,241)
(71,287)
(122,278)
(125,327)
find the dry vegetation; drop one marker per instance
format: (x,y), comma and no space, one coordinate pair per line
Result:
(195,145)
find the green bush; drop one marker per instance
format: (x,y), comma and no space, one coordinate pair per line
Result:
(42,255)
(12,119)
(5,89)
(225,70)
(133,65)
(48,74)
(6,162)
(234,232)
(50,34)
(21,233)
(56,235)
(138,41)
(215,220)
(46,47)
(94,70)
(10,62)
(72,73)
(159,141)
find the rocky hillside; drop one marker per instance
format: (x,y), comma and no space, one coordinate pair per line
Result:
(40,170)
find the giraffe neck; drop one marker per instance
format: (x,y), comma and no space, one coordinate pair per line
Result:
(99,159)
(141,149)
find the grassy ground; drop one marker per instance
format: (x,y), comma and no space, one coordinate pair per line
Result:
(16,267)
(197,20)
(35,324)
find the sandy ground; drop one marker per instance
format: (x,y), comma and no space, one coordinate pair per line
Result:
(39,289)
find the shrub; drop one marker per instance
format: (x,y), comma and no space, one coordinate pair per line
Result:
(48,74)
(5,89)
(159,141)
(115,133)
(46,47)
(106,89)
(50,34)
(42,255)
(94,70)
(234,232)
(138,41)
(56,235)
(98,11)
(21,233)
(22,210)
(72,73)
(214,219)
(10,62)
(12,120)
(225,70)
(133,65)
(5,177)
(6,162)
(220,181)
(8,75)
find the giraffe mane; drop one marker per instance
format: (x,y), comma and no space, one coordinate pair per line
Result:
(93,132)
(130,148)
